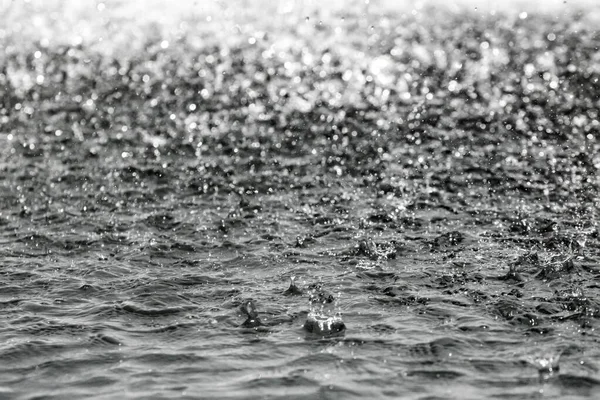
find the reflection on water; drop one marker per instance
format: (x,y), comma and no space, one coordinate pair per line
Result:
(340,206)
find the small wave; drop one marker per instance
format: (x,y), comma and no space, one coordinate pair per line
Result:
(151,312)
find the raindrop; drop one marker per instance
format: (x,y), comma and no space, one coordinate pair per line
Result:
(453,86)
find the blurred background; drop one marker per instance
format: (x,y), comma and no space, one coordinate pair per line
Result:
(88,20)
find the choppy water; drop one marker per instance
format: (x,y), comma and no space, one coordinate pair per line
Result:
(463,256)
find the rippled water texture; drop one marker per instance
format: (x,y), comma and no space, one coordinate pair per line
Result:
(429,179)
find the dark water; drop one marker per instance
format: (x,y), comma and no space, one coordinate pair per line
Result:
(457,233)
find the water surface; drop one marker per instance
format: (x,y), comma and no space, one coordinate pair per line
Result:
(443,189)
